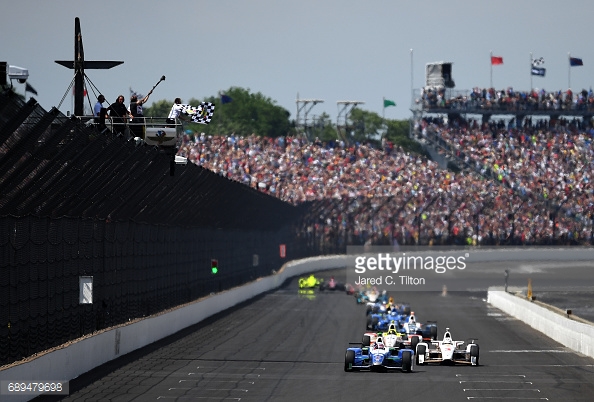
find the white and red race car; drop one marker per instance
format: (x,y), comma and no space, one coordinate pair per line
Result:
(424,333)
(447,351)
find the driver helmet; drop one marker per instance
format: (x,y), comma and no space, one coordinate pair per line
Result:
(392,329)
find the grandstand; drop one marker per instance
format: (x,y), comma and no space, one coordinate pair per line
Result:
(439,96)
(357,194)
(542,154)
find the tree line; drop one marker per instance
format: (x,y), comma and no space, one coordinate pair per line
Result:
(246,113)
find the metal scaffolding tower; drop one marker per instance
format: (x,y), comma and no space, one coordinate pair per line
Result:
(342,118)
(301,122)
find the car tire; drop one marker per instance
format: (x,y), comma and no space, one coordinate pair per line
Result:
(421,350)
(369,322)
(349,360)
(366,340)
(407,361)
(414,342)
(474,352)
(433,332)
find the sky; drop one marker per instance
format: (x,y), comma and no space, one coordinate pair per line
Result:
(331,50)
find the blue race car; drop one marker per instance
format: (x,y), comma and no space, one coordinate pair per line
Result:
(379,357)
(380,318)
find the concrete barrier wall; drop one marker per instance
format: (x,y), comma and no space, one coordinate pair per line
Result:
(80,356)
(575,335)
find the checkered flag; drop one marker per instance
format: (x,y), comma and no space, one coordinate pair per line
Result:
(207,112)
(538,62)
(201,114)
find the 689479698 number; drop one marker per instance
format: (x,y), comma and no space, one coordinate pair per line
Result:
(34,387)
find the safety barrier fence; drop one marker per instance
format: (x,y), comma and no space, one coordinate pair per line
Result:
(90,216)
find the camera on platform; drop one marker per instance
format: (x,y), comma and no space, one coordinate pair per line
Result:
(18,73)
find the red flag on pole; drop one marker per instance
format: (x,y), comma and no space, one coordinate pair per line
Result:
(496,60)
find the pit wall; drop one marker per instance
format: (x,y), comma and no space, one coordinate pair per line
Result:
(575,335)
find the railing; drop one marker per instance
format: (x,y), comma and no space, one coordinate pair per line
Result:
(155,131)
(466,101)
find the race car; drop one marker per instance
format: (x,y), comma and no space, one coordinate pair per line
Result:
(349,289)
(371,295)
(375,308)
(379,357)
(427,333)
(309,282)
(401,308)
(448,351)
(392,338)
(411,325)
(332,284)
(378,321)
(379,317)
(367,296)
(413,328)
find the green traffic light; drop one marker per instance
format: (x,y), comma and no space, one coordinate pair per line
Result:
(214,270)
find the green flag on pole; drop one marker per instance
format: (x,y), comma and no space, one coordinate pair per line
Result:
(388,102)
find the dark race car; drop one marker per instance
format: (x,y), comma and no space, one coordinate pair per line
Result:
(379,357)
(332,284)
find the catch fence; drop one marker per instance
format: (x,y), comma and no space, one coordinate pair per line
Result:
(79,206)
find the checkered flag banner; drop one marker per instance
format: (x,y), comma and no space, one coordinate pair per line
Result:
(538,62)
(201,114)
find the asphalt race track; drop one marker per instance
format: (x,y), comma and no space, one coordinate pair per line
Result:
(283,346)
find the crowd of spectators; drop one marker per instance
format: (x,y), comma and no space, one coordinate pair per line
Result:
(550,162)
(526,186)
(506,100)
